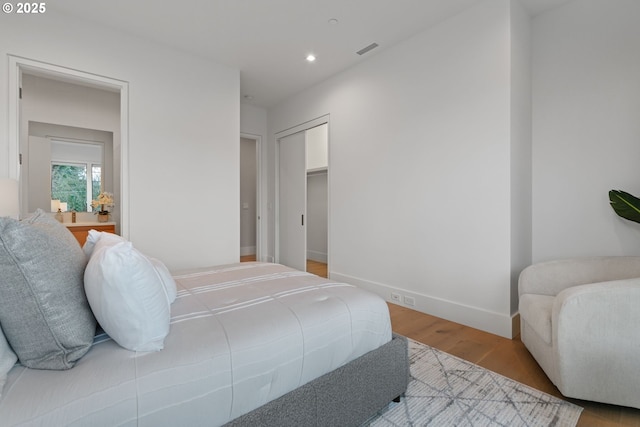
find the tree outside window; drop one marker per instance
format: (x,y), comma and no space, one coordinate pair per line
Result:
(69,184)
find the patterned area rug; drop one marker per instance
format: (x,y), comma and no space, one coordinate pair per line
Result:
(448,391)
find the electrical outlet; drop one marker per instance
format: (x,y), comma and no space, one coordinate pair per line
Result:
(395,297)
(410,301)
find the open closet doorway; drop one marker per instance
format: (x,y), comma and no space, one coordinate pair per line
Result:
(317,139)
(250,198)
(19,123)
(303,197)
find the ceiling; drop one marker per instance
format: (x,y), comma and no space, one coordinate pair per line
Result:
(268,40)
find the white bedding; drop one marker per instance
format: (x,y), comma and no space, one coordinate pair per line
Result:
(241,335)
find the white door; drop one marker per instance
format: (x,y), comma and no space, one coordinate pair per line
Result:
(292,201)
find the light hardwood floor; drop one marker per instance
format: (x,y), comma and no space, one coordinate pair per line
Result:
(317,268)
(504,356)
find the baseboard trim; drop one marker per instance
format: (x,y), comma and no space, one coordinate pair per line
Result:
(317,256)
(488,321)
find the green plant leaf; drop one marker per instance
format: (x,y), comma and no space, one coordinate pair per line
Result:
(625,205)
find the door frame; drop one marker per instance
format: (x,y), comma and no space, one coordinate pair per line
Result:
(283,134)
(19,64)
(260,191)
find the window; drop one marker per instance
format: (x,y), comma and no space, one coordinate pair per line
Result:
(96,182)
(70,185)
(76,173)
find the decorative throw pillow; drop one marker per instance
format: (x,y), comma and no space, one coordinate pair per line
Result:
(127,295)
(43,308)
(7,359)
(92,238)
(165,276)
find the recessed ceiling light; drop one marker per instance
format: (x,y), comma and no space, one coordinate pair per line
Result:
(311,57)
(332,21)
(248,97)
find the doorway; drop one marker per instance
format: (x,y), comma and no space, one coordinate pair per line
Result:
(250,196)
(18,130)
(302,224)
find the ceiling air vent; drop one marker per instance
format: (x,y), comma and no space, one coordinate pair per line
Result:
(367,49)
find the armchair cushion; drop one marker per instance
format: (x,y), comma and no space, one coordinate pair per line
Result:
(552,277)
(537,310)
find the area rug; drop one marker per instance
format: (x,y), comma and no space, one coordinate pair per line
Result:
(448,391)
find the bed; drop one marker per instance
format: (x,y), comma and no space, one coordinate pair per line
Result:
(249,344)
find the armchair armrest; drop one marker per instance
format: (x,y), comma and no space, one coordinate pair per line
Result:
(552,277)
(596,340)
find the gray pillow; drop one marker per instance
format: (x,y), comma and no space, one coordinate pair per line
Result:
(44,311)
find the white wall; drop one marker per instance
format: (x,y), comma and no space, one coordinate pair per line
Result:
(184,121)
(521,140)
(586,127)
(420,161)
(253,120)
(317,144)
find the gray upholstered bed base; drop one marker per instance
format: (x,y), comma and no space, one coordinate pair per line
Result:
(348,396)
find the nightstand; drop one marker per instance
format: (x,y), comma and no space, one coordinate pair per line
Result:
(80,230)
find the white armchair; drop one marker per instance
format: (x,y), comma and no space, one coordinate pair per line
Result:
(580,319)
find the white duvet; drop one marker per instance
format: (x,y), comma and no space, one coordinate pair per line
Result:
(241,335)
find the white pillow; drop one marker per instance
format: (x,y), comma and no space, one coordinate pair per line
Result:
(167,279)
(127,295)
(163,272)
(92,239)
